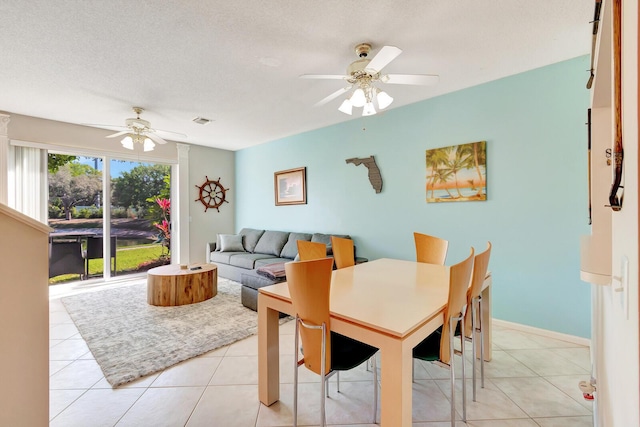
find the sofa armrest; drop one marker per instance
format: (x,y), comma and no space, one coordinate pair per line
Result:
(210,248)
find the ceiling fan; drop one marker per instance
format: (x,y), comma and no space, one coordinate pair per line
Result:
(137,130)
(363,73)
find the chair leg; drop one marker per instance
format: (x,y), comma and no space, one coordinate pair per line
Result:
(375,387)
(452,375)
(323,376)
(295,377)
(481,341)
(337,374)
(464,376)
(326,388)
(474,352)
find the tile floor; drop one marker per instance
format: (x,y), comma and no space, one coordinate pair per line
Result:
(531,381)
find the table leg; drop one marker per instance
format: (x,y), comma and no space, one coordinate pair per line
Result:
(268,352)
(396,390)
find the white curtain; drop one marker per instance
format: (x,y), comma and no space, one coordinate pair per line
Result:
(28,190)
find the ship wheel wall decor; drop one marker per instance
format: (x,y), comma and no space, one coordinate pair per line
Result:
(212,194)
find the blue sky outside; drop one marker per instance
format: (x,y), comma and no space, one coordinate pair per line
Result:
(117,166)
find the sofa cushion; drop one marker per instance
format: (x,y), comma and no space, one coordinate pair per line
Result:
(290,250)
(326,239)
(231,243)
(224,257)
(271,242)
(251,237)
(253,280)
(246,260)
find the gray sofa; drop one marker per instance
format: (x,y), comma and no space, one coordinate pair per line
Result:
(239,256)
(256,249)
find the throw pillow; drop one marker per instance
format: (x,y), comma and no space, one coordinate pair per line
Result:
(290,250)
(326,239)
(271,242)
(251,237)
(231,243)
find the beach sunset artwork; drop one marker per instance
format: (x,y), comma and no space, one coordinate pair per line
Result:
(457,173)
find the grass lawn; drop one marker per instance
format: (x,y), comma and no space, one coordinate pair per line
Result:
(128,260)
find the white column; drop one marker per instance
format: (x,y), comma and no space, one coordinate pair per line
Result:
(106,217)
(4,158)
(44,187)
(180,207)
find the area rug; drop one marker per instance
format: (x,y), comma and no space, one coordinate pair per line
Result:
(130,338)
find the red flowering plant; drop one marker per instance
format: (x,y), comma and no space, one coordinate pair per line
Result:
(164,226)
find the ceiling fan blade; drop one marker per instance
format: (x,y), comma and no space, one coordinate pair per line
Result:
(323,76)
(155,138)
(168,133)
(383,58)
(114,135)
(333,96)
(411,79)
(115,128)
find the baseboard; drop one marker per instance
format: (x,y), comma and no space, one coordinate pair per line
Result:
(543,332)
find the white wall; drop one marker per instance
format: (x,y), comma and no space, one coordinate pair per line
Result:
(204,226)
(616,328)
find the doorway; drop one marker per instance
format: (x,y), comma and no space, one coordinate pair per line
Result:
(132,206)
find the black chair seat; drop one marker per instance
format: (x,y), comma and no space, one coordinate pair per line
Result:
(429,348)
(347,353)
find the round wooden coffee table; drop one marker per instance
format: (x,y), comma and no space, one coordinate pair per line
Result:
(169,285)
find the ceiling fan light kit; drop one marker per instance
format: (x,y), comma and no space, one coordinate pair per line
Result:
(138,131)
(369,109)
(346,107)
(384,99)
(363,73)
(129,140)
(148,145)
(358,99)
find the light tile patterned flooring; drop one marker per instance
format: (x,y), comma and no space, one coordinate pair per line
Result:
(531,381)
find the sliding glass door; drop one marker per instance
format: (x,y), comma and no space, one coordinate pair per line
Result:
(131,206)
(140,214)
(75,213)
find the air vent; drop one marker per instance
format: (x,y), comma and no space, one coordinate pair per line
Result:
(201,120)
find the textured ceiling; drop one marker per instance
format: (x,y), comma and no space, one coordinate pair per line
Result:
(237,62)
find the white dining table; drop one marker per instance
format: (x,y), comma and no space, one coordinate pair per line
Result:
(387,303)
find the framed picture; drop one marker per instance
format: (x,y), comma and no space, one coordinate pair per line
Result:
(457,173)
(290,187)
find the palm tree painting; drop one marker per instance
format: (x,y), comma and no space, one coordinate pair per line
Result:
(457,173)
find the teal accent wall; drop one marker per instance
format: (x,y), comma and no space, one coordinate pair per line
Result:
(534,125)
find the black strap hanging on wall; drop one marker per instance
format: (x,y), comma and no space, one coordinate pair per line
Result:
(617,190)
(596,22)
